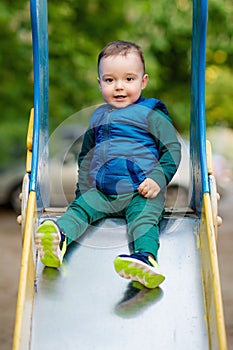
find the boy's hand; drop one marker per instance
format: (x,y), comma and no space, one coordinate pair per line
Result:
(149,188)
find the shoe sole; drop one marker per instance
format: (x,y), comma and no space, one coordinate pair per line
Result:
(47,239)
(139,271)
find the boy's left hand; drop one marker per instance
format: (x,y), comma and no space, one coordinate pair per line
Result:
(149,188)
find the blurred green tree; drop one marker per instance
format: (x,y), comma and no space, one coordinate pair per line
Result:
(79,29)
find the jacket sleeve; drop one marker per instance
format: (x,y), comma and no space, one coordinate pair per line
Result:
(84,161)
(169,148)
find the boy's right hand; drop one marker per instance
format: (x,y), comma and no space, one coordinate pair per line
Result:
(149,188)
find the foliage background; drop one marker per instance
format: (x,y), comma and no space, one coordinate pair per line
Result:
(77,32)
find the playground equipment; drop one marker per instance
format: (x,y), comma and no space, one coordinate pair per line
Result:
(69,308)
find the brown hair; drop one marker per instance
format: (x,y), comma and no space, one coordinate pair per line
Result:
(121,47)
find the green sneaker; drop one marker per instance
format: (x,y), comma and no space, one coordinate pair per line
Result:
(140,267)
(51,243)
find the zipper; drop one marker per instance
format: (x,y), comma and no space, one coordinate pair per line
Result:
(106,133)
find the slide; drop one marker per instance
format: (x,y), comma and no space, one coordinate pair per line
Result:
(85,304)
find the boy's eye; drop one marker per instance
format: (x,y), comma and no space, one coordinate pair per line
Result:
(108,80)
(129,79)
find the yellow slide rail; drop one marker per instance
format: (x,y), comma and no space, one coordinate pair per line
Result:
(211,279)
(28,220)
(26,281)
(210,269)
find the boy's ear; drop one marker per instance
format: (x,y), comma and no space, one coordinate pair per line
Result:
(145,80)
(99,83)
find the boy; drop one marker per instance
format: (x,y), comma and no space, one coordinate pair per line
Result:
(129,154)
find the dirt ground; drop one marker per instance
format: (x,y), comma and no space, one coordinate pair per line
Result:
(10,243)
(225,257)
(10,256)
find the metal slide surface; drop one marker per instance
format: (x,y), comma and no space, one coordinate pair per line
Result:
(86,305)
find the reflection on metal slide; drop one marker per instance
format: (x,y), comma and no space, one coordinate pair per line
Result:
(85,304)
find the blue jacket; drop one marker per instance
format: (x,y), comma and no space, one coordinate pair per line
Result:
(124,146)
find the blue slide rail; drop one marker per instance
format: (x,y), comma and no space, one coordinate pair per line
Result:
(198,117)
(39,22)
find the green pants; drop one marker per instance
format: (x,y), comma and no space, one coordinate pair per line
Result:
(142,216)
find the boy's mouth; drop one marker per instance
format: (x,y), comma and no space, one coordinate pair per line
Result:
(119,97)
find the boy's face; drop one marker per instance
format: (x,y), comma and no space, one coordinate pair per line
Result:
(121,79)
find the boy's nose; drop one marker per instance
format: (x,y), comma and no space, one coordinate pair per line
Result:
(118,85)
